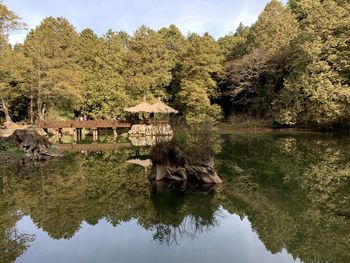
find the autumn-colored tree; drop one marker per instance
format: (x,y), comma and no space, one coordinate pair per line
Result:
(53,49)
(9,22)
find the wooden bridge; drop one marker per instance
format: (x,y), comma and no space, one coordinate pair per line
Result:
(76,124)
(94,125)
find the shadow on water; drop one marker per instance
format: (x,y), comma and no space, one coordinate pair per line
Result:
(293,189)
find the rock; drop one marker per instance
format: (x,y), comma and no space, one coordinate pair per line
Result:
(171,163)
(36,147)
(199,174)
(41,132)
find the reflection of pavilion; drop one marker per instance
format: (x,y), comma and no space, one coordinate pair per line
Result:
(148,140)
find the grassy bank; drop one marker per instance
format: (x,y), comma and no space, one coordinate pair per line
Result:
(10,156)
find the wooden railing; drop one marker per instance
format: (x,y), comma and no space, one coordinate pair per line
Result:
(93,124)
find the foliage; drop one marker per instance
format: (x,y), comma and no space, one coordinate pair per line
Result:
(291,65)
(253,79)
(317,89)
(9,60)
(4,145)
(104,93)
(148,64)
(53,49)
(200,62)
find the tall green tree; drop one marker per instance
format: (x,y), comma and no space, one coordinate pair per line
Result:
(53,48)
(148,65)
(103,92)
(233,46)
(175,43)
(9,22)
(201,61)
(275,28)
(317,91)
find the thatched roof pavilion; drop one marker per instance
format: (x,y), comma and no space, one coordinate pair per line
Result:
(142,107)
(161,107)
(158,107)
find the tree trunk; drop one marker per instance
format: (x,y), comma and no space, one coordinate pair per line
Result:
(41,107)
(31,106)
(41,111)
(5,109)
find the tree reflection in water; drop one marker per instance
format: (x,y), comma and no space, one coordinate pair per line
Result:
(294,190)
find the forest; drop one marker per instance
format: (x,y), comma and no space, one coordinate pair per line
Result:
(292,66)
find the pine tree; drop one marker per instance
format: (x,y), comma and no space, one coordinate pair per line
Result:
(275,28)
(201,60)
(148,65)
(233,46)
(103,92)
(317,91)
(175,43)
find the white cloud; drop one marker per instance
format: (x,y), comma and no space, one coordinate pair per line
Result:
(218,17)
(17,38)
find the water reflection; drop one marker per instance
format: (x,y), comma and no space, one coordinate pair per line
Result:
(294,190)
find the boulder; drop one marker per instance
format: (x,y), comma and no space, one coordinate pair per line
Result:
(199,174)
(172,163)
(35,146)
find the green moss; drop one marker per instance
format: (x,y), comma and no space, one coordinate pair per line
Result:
(10,156)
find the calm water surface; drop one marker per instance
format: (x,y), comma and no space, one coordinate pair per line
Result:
(285,198)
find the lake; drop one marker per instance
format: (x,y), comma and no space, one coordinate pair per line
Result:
(284,198)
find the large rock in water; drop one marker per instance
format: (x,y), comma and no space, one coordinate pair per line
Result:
(36,147)
(199,174)
(171,163)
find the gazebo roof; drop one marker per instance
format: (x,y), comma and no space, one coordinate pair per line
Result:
(142,107)
(158,107)
(161,107)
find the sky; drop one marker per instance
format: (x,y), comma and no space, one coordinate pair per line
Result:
(218,17)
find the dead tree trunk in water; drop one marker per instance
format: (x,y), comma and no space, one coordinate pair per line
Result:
(5,109)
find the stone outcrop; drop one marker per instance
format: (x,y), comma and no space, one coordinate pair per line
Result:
(171,163)
(202,174)
(151,130)
(35,146)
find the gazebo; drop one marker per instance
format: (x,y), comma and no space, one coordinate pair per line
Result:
(158,107)
(161,107)
(142,107)
(152,128)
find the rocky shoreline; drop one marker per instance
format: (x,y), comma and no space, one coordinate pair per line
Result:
(36,147)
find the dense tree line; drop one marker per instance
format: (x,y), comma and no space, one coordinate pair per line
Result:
(292,66)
